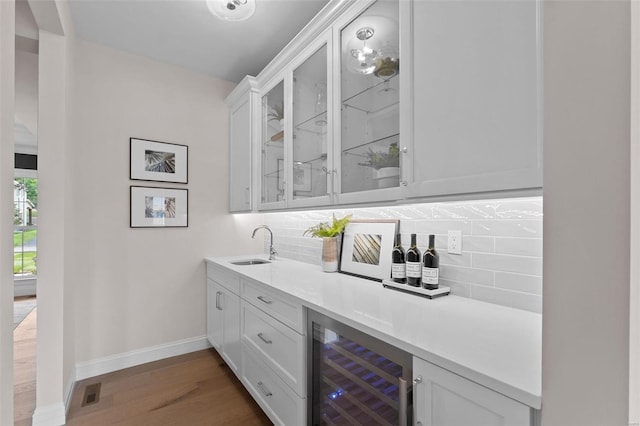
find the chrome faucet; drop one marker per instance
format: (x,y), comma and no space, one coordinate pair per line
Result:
(272,251)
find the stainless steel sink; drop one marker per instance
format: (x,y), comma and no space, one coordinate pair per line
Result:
(250,262)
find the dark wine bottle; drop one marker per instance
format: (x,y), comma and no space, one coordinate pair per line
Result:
(414,264)
(398,263)
(430,265)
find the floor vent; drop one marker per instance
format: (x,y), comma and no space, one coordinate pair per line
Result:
(91,394)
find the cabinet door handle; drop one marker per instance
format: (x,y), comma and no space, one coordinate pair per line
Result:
(218,306)
(264,389)
(264,339)
(416,382)
(265,300)
(403,401)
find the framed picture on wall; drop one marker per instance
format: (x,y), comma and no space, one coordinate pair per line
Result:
(158,161)
(366,248)
(159,207)
(301,176)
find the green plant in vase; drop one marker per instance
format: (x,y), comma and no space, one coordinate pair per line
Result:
(326,230)
(276,113)
(380,159)
(330,234)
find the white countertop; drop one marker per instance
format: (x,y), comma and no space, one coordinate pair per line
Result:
(495,346)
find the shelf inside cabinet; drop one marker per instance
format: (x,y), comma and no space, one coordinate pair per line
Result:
(316,124)
(378,145)
(377,98)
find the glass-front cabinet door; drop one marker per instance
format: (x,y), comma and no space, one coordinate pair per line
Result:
(272,141)
(310,170)
(369,101)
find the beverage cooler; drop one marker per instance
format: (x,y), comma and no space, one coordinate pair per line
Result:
(355,379)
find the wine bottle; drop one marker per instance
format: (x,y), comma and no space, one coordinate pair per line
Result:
(398,264)
(430,266)
(414,265)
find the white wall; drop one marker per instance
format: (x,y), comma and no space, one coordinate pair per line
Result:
(585,347)
(7,90)
(136,288)
(634,332)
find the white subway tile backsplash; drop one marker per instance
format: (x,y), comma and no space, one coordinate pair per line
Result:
(501,259)
(477,244)
(508,228)
(518,282)
(506,263)
(514,299)
(463,259)
(519,209)
(467,275)
(457,288)
(464,211)
(519,246)
(443,226)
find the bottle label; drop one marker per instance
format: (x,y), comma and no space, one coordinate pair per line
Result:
(430,275)
(398,270)
(413,269)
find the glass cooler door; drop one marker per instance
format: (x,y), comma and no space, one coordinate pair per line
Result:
(357,379)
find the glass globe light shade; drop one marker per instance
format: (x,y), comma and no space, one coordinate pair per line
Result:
(232,10)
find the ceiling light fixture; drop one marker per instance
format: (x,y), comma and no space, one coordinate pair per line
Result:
(232,10)
(363,56)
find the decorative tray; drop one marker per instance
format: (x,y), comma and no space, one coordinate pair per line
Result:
(429,294)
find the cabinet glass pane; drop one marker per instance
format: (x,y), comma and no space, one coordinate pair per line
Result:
(273,144)
(310,126)
(370,99)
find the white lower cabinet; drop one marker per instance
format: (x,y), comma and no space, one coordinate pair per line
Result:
(281,348)
(279,401)
(223,323)
(442,398)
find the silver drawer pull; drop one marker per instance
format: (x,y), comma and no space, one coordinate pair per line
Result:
(218,307)
(264,339)
(264,389)
(265,300)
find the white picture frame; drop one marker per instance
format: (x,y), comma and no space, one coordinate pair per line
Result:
(366,248)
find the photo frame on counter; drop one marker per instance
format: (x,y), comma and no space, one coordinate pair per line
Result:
(158,161)
(367,246)
(153,207)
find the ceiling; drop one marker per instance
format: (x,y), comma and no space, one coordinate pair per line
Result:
(185,33)
(179,32)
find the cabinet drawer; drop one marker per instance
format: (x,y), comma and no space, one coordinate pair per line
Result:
(279,402)
(280,347)
(227,278)
(275,304)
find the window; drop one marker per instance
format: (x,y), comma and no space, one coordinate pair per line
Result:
(25,231)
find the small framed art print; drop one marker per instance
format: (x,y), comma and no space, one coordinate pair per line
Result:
(159,207)
(366,248)
(158,161)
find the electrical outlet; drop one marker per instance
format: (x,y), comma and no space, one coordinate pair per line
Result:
(454,245)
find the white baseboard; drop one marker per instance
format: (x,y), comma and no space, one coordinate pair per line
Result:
(24,287)
(71,381)
(50,415)
(108,364)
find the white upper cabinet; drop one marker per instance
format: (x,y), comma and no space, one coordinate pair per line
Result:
(241,102)
(473,96)
(379,101)
(367,81)
(310,165)
(272,145)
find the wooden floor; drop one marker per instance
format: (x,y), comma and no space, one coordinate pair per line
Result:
(192,389)
(24,370)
